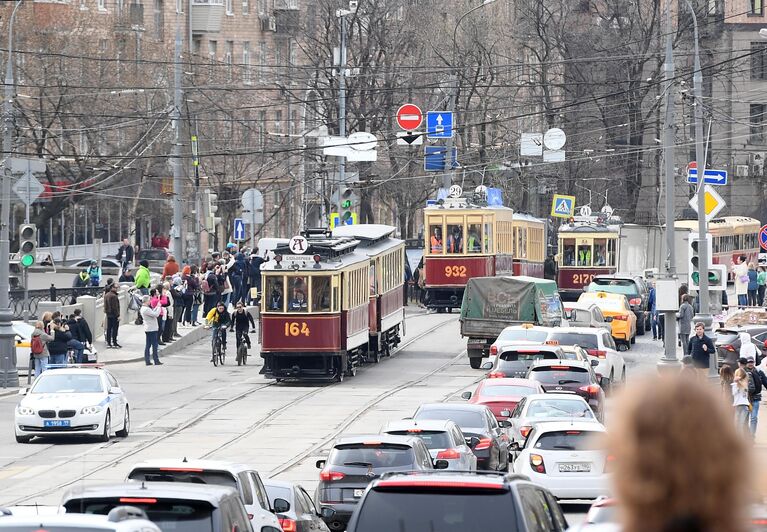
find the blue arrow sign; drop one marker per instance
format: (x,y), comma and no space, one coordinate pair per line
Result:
(710,177)
(439,125)
(434,158)
(239,229)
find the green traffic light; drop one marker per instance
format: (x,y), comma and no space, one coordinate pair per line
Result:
(346,204)
(27,260)
(695,277)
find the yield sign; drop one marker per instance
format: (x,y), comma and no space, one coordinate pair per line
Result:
(409,117)
(713,202)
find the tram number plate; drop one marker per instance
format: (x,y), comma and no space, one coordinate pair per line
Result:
(294,328)
(583,278)
(455,271)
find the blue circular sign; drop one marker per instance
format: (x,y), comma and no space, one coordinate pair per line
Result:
(763,237)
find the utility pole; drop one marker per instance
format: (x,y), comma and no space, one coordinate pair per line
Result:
(178,185)
(342,14)
(669,359)
(449,176)
(9,375)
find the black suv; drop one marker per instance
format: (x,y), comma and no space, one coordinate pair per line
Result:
(356,460)
(449,501)
(635,290)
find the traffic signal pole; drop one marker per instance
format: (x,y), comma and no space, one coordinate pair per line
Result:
(342,13)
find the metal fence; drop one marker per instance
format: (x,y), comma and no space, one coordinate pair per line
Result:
(65,296)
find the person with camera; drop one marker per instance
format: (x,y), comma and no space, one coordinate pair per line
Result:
(81,335)
(59,346)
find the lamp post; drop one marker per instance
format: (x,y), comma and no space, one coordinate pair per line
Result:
(9,375)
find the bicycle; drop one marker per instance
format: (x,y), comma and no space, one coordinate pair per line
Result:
(218,352)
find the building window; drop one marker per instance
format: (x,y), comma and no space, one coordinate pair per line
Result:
(102,5)
(246,77)
(179,6)
(196,43)
(245,7)
(278,53)
(260,128)
(262,61)
(229,7)
(293,125)
(757,120)
(262,7)
(159,19)
(228,54)
(278,121)
(212,54)
(119,5)
(292,53)
(755,8)
(759,60)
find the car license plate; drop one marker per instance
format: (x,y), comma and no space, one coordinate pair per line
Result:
(55,423)
(577,467)
(358,493)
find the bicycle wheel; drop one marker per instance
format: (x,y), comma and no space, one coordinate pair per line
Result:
(221,356)
(216,349)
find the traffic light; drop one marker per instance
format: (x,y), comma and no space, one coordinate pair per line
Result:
(346,205)
(27,244)
(693,260)
(211,207)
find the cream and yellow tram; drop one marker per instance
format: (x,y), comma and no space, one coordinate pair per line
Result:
(732,236)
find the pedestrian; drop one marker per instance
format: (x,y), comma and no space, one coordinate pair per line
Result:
(81,335)
(112,313)
(94,272)
(150,315)
(170,268)
(39,347)
(143,277)
(758,382)
(177,298)
(47,318)
(740,272)
(691,476)
(127,277)
(191,295)
(254,274)
(125,254)
(166,328)
(550,268)
(653,306)
(684,321)
(236,272)
(82,279)
(726,376)
(700,347)
(740,399)
(683,291)
(753,285)
(422,286)
(57,348)
(211,289)
(222,273)
(761,281)
(240,320)
(408,282)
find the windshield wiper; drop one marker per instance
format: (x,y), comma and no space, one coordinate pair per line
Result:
(363,464)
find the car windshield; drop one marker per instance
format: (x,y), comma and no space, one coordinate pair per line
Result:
(585,340)
(182,474)
(168,514)
(52,382)
(371,455)
(462,418)
(512,356)
(614,286)
(441,511)
(516,335)
(610,304)
(560,375)
(559,408)
(434,439)
(506,390)
(570,440)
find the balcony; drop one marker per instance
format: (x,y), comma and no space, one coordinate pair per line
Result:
(130,18)
(207,16)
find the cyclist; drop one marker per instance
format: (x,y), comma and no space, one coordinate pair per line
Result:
(219,318)
(240,320)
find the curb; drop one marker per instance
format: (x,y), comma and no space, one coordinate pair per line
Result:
(180,344)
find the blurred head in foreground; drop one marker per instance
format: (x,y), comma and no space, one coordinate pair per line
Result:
(680,465)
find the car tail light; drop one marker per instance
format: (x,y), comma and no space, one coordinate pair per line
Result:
(635,301)
(597,353)
(621,317)
(536,462)
(560,367)
(484,443)
(414,430)
(591,389)
(728,347)
(524,431)
(331,475)
(496,375)
(138,500)
(448,454)
(288,525)
(493,350)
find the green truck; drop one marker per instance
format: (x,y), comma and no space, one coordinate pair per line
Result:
(490,304)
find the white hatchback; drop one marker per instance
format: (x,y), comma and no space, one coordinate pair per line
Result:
(599,344)
(567,458)
(85,401)
(442,437)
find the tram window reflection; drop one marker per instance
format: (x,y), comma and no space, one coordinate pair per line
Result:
(487,238)
(600,252)
(274,289)
(568,252)
(612,245)
(320,294)
(373,279)
(436,243)
(584,254)
(474,242)
(454,238)
(298,290)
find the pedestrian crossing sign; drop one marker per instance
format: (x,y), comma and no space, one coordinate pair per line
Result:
(563,206)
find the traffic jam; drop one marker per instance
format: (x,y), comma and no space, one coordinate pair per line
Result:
(549,348)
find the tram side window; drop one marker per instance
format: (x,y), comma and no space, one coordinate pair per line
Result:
(600,252)
(436,243)
(474,243)
(611,251)
(373,279)
(298,289)
(321,294)
(522,243)
(274,289)
(568,252)
(487,238)
(454,238)
(584,254)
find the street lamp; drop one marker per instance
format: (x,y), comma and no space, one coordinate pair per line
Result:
(8,373)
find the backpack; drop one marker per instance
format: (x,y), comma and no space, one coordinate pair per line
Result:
(204,286)
(37,346)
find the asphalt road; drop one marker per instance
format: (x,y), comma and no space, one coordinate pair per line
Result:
(188,408)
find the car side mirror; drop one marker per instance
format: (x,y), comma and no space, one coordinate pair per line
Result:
(466,395)
(609,319)
(486,365)
(441,464)
(114,390)
(472,441)
(281,506)
(320,464)
(327,513)
(23,391)
(504,423)
(594,363)
(603,382)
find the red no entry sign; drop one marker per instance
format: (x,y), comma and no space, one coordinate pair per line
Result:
(763,237)
(409,117)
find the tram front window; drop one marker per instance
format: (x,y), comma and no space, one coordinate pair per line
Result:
(600,252)
(454,238)
(298,291)
(435,242)
(274,293)
(568,252)
(584,255)
(320,294)
(474,242)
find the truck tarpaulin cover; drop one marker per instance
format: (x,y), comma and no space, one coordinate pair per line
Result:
(512,299)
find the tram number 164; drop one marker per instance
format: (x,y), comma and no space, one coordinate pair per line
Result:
(294,328)
(580,279)
(455,271)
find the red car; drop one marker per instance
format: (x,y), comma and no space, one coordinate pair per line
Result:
(502,395)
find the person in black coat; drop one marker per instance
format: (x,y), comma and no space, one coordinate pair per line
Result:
(254,275)
(240,320)
(58,347)
(81,335)
(700,348)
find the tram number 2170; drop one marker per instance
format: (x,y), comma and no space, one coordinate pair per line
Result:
(455,271)
(581,279)
(294,328)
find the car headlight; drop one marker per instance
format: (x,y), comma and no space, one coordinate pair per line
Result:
(25,411)
(91,410)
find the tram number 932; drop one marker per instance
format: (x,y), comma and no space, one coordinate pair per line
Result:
(455,271)
(580,279)
(294,328)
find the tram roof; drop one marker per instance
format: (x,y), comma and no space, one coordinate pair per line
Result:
(335,253)
(464,204)
(522,216)
(374,238)
(588,228)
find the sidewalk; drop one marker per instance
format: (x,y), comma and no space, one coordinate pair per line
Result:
(131,337)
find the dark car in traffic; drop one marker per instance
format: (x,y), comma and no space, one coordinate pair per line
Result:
(631,286)
(570,376)
(354,461)
(516,360)
(484,433)
(446,501)
(727,342)
(294,507)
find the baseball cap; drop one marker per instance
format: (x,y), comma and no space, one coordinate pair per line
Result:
(742,360)
(749,358)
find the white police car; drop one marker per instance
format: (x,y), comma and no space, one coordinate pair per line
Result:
(75,400)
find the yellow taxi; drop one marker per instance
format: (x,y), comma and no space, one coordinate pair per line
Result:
(615,306)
